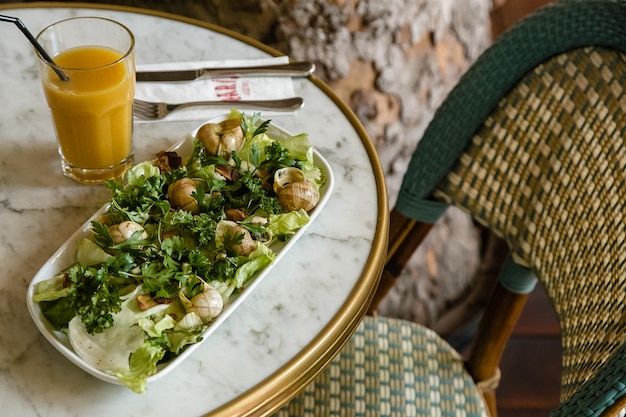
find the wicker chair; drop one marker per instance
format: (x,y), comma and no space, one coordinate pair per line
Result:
(531,143)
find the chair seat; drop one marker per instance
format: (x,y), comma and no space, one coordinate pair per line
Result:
(391,367)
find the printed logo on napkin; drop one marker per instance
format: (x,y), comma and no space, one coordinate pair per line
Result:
(222,89)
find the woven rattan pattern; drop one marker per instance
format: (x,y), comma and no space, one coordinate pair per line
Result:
(391,367)
(547,172)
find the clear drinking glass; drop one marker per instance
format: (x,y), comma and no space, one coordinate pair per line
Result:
(93,109)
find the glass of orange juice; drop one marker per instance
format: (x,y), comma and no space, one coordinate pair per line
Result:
(89,88)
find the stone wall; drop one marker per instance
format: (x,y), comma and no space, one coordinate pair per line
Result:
(393,62)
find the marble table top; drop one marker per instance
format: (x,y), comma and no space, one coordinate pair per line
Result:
(285,330)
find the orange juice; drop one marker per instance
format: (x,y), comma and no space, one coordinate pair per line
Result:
(92,111)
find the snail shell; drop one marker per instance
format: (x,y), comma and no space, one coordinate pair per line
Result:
(180,195)
(221,139)
(123,231)
(298,195)
(294,192)
(247,245)
(207,305)
(285,176)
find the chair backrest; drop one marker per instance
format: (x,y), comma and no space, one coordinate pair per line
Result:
(532,144)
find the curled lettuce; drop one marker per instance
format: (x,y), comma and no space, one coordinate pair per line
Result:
(143,169)
(143,363)
(260,258)
(287,224)
(50,289)
(89,253)
(108,350)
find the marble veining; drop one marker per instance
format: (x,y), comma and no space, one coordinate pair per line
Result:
(39,210)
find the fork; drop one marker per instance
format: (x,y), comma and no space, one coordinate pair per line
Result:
(148,110)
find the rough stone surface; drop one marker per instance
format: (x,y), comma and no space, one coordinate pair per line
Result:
(393,62)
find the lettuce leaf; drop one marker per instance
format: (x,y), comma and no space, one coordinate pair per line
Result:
(260,258)
(287,224)
(108,350)
(144,169)
(89,253)
(155,328)
(50,289)
(143,363)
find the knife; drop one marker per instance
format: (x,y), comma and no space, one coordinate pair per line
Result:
(292,69)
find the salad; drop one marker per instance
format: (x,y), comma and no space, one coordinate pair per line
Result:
(178,241)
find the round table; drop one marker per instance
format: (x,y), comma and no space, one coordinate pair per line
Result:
(284,332)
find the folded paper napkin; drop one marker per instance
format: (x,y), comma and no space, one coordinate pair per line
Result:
(238,88)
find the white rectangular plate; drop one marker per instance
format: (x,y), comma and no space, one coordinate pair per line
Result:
(66,255)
